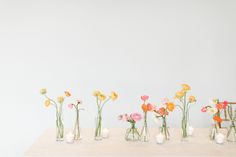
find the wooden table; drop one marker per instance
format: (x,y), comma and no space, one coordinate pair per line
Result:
(198,145)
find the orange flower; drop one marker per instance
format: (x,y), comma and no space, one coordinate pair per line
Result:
(179,94)
(186,87)
(170,106)
(144,107)
(67,94)
(219,106)
(192,99)
(218,119)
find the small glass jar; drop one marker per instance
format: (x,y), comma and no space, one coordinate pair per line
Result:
(132,133)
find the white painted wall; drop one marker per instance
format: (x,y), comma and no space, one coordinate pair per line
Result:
(133,47)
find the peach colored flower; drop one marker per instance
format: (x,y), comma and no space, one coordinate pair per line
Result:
(67,94)
(47,103)
(170,106)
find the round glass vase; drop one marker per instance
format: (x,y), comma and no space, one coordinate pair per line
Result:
(98,129)
(231,134)
(132,133)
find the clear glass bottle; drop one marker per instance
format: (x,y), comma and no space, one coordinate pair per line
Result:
(132,133)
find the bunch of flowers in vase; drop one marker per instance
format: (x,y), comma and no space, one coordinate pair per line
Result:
(185,103)
(101,100)
(214,110)
(77,107)
(162,113)
(146,107)
(132,133)
(58,106)
(231,134)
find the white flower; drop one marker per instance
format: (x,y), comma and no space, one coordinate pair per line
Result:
(213,101)
(212,110)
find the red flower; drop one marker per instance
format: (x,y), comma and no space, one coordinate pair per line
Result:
(225,104)
(162,111)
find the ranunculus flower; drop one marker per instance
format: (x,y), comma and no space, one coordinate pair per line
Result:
(186,87)
(212,110)
(225,104)
(136,117)
(144,97)
(162,111)
(70,106)
(102,97)
(179,94)
(113,96)
(79,101)
(219,106)
(67,94)
(43,91)
(192,99)
(149,107)
(170,106)
(96,93)
(204,109)
(47,103)
(218,119)
(144,108)
(60,99)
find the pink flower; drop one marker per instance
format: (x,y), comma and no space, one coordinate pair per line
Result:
(204,109)
(123,117)
(136,117)
(144,97)
(79,101)
(70,106)
(225,104)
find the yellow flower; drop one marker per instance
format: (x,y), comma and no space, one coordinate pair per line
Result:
(101,97)
(192,99)
(113,96)
(186,87)
(43,91)
(60,99)
(214,101)
(67,94)
(96,93)
(179,94)
(47,103)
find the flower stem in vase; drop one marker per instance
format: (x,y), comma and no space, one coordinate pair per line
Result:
(132,133)
(145,132)
(59,125)
(98,135)
(164,129)
(77,135)
(231,134)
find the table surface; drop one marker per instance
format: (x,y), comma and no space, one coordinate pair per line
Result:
(197,145)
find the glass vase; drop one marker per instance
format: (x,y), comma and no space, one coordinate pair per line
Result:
(184,127)
(164,129)
(59,126)
(98,129)
(145,132)
(77,135)
(213,131)
(231,134)
(132,133)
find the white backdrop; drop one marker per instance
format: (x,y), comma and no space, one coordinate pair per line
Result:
(132,47)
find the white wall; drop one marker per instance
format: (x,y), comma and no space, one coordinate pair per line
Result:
(132,47)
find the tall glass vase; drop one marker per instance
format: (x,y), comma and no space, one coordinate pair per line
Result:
(98,129)
(132,133)
(164,129)
(77,135)
(145,132)
(59,125)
